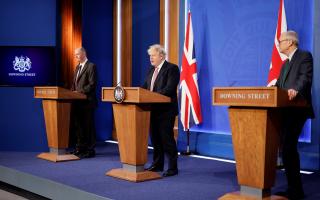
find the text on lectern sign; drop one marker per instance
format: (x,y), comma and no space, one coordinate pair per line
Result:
(40,92)
(228,95)
(244,96)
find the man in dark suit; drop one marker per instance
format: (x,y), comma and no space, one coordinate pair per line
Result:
(163,77)
(295,77)
(84,81)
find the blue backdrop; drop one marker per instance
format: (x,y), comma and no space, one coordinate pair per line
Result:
(35,23)
(24,23)
(31,22)
(233,48)
(145,32)
(233,42)
(97,31)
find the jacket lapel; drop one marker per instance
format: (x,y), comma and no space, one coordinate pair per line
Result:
(293,59)
(85,67)
(76,73)
(163,68)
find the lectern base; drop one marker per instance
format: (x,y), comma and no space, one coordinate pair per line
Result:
(57,158)
(133,176)
(239,196)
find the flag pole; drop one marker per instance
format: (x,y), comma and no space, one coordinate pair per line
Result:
(187,152)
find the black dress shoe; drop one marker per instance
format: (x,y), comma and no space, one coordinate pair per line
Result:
(155,168)
(280,166)
(282,194)
(88,154)
(170,172)
(77,152)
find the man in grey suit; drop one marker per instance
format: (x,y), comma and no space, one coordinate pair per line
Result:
(295,77)
(84,81)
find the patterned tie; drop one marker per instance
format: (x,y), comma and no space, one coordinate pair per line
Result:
(154,77)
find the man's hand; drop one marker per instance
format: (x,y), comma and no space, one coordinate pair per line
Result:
(292,94)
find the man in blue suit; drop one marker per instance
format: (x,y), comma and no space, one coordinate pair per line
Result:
(295,77)
(163,77)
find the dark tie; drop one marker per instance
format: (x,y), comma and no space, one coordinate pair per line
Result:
(79,71)
(284,74)
(154,77)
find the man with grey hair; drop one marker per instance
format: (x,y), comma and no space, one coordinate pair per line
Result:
(296,78)
(85,82)
(163,77)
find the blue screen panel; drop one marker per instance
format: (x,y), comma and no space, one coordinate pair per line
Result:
(27,66)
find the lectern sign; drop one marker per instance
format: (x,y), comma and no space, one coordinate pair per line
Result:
(45,92)
(244,96)
(253,96)
(58,93)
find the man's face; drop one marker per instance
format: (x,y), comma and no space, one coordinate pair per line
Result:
(284,44)
(79,55)
(155,58)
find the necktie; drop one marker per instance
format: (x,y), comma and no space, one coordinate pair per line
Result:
(284,74)
(79,71)
(154,77)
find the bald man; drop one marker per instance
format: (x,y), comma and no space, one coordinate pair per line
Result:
(84,81)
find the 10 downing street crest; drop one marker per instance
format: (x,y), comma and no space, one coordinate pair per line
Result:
(22,64)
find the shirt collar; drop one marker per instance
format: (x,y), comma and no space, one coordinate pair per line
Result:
(159,66)
(291,54)
(84,62)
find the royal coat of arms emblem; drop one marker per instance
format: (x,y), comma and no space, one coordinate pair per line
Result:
(22,64)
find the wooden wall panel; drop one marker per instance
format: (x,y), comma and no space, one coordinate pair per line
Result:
(71,37)
(126,39)
(173,37)
(173,29)
(126,46)
(126,42)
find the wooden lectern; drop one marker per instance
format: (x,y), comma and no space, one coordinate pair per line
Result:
(254,115)
(132,121)
(56,103)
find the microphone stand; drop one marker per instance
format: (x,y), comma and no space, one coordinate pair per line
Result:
(187,152)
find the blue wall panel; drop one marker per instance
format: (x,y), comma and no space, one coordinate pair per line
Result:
(97,39)
(25,23)
(233,42)
(233,48)
(33,22)
(145,32)
(21,121)
(28,22)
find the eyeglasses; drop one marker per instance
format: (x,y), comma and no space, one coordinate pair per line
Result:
(283,40)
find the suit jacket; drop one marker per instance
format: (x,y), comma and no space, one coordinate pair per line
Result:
(299,77)
(166,84)
(86,82)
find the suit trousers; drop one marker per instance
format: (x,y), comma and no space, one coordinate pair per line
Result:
(162,138)
(293,120)
(83,123)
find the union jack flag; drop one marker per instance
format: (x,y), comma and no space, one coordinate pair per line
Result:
(190,110)
(277,58)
